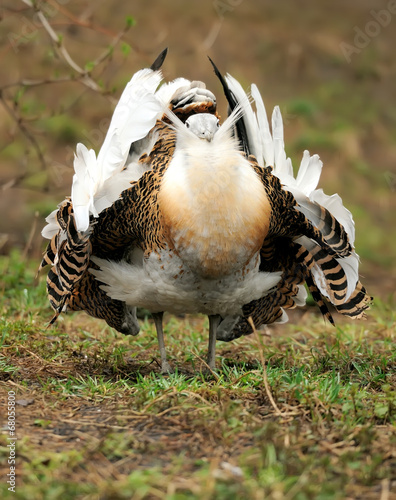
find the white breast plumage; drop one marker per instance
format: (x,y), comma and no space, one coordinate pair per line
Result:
(213,204)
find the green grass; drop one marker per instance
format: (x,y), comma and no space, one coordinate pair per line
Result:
(104,423)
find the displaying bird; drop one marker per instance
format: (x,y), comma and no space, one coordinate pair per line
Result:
(180,213)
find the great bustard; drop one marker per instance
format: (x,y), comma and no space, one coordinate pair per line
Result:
(183,214)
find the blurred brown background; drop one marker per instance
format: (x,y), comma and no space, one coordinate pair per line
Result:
(329,65)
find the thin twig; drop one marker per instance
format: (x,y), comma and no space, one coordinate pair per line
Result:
(77,20)
(207,366)
(61,49)
(265,376)
(59,46)
(94,424)
(106,53)
(31,237)
(37,83)
(25,131)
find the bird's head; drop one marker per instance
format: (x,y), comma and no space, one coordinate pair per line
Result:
(203,125)
(206,128)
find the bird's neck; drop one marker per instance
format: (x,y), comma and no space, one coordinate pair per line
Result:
(214,208)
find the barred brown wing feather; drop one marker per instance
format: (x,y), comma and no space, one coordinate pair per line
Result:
(354,306)
(69,258)
(319,300)
(263,311)
(56,295)
(50,253)
(291,220)
(332,232)
(334,275)
(320,260)
(88,296)
(357,303)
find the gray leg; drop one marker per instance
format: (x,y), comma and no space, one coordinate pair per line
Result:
(165,366)
(214,321)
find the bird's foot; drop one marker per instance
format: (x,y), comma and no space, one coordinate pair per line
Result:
(211,365)
(209,373)
(166,368)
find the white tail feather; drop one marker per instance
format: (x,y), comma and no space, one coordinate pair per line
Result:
(309,173)
(50,230)
(265,136)
(135,115)
(282,165)
(336,208)
(85,183)
(249,117)
(301,297)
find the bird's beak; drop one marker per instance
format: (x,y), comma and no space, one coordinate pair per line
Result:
(207,136)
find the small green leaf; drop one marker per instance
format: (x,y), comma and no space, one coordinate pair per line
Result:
(130,21)
(18,94)
(39,422)
(89,66)
(126,49)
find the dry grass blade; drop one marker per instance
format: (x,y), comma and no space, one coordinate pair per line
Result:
(265,377)
(385,489)
(207,366)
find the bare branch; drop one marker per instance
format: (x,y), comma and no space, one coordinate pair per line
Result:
(77,21)
(79,74)
(37,83)
(61,49)
(18,120)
